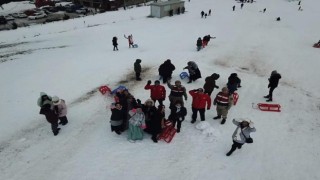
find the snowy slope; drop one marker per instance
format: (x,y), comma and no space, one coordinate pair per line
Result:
(71,59)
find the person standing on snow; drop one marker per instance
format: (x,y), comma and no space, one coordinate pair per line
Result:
(51,117)
(137,69)
(210,83)
(136,124)
(117,118)
(273,83)
(177,115)
(165,70)
(241,5)
(194,72)
(233,8)
(234,82)
(199,102)
(206,40)
(60,108)
(224,102)
(156,123)
(209,14)
(177,91)
(115,43)
(202,14)
(44,99)
(158,92)
(241,134)
(199,44)
(130,40)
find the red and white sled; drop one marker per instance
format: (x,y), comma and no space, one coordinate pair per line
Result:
(235,98)
(104,89)
(267,107)
(167,133)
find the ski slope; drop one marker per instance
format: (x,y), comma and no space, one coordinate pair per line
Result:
(71,59)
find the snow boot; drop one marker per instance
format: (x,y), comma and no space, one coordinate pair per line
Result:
(193,121)
(223,121)
(229,153)
(217,117)
(56,132)
(178,130)
(154,139)
(118,132)
(269,100)
(267,96)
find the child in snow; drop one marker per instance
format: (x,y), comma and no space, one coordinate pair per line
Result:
(60,107)
(115,43)
(136,124)
(224,102)
(241,134)
(199,44)
(117,118)
(137,69)
(177,115)
(130,40)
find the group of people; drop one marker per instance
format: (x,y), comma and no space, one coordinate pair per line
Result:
(203,14)
(54,109)
(202,43)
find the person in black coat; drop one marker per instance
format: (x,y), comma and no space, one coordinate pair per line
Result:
(177,115)
(51,117)
(194,71)
(202,14)
(165,70)
(115,43)
(117,118)
(199,44)
(273,83)
(149,111)
(210,83)
(234,82)
(156,123)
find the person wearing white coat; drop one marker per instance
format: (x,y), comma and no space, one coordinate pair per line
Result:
(60,107)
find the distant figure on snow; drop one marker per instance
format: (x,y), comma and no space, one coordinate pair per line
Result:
(233,8)
(130,40)
(137,69)
(273,83)
(206,40)
(199,44)
(209,14)
(202,14)
(241,5)
(299,3)
(278,19)
(264,10)
(241,134)
(205,15)
(115,43)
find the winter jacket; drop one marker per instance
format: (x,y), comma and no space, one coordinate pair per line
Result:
(274,80)
(199,101)
(166,69)
(156,123)
(137,66)
(199,42)
(211,83)
(194,71)
(177,91)
(137,119)
(117,116)
(41,100)
(177,115)
(130,39)
(149,111)
(245,132)
(158,92)
(114,41)
(51,116)
(233,83)
(61,108)
(223,99)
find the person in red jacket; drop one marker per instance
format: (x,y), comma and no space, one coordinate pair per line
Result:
(199,102)
(158,92)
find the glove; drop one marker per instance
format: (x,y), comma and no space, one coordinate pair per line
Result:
(217,87)
(251,124)
(149,82)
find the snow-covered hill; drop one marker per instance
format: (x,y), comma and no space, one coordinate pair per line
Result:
(71,59)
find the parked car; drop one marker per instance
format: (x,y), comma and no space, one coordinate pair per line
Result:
(9,18)
(82,10)
(37,16)
(3,20)
(19,15)
(73,8)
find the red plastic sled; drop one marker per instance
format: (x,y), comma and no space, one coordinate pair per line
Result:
(269,107)
(235,98)
(167,134)
(104,89)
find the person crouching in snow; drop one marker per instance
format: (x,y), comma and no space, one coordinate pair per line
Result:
(199,102)
(241,134)
(136,124)
(224,102)
(158,92)
(60,107)
(130,40)
(117,117)
(177,115)
(51,117)
(194,71)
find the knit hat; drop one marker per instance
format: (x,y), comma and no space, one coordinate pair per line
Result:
(56,100)
(274,72)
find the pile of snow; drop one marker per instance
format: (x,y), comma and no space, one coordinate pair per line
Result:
(15,7)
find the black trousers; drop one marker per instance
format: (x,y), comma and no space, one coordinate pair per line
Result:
(195,113)
(115,47)
(137,75)
(63,120)
(159,100)
(178,122)
(165,78)
(54,126)
(270,92)
(234,146)
(208,92)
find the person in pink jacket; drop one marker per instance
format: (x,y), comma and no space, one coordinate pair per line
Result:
(60,107)
(130,40)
